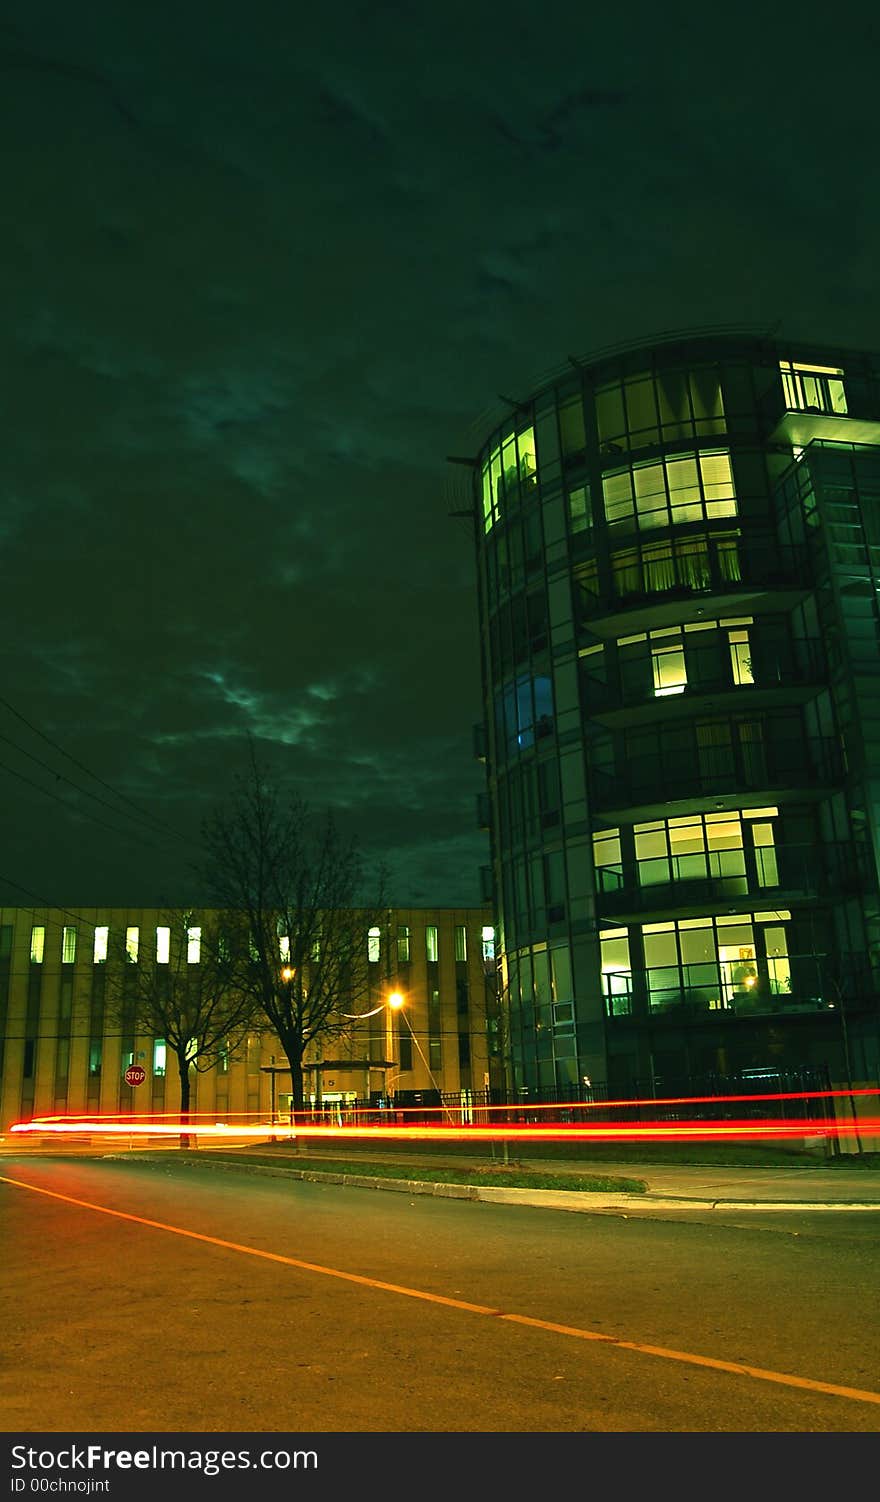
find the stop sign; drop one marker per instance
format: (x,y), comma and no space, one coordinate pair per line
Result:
(135,1075)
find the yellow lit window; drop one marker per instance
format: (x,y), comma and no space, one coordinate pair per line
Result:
(740,657)
(813,388)
(670,675)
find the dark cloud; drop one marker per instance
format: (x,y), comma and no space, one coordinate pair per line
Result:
(263,271)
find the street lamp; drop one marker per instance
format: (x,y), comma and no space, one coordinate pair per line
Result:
(393,1002)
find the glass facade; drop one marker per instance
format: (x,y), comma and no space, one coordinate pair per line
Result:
(680,637)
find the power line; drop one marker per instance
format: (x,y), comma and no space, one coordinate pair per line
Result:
(60,777)
(123,797)
(47,792)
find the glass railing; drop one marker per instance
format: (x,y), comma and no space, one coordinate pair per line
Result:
(677,881)
(706,771)
(709,671)
(777,984)
(688,566)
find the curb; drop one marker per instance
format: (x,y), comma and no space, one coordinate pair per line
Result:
(578,1201)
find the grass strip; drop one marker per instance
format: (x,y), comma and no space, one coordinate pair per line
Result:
(430,1173)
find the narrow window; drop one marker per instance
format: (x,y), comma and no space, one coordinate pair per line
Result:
(460,942)
(160,1053)
(402,944)
(163,946)
(374,941)
(668,666)
(487,940)
(431,942)
(740,657)
(68,946)
(38,945)
(102,936)
(132,943)
(193,945)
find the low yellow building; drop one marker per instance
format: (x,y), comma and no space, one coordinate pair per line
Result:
(61,1054)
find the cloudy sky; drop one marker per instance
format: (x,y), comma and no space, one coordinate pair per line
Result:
(262,271)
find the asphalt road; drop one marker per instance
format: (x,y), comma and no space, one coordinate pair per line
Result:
(262,1305)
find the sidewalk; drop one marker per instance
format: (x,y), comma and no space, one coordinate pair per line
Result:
(669,1187)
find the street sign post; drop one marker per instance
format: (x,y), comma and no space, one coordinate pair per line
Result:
(134,1075)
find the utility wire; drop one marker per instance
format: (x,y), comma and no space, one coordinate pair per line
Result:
(71,808)
(123,797)
(60,777)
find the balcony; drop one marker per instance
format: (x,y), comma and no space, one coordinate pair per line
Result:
(782,986)
(480,742)
(808,404)
(778,874)
(791,671)
(775,768)
(685,569)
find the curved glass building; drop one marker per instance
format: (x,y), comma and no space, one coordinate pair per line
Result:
(678,549)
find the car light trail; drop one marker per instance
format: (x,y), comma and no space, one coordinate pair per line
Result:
(704,1131)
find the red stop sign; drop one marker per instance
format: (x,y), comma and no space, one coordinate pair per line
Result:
(135,1075)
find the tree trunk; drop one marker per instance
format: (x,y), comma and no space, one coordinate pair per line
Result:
(297,1090)
(183,1073)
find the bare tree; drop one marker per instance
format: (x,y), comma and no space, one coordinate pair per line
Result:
(184,994)
(291,884)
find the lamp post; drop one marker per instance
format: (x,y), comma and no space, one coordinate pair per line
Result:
(393,1002)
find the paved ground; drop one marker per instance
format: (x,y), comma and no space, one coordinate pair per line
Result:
(668,1185)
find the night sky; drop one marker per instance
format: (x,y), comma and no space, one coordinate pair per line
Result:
(261,273)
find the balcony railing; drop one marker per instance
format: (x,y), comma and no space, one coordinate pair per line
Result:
(781,984)
(797,870)
(705,771)
(708,671)
(721,566)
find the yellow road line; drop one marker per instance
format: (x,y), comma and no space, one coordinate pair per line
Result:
(737,1368)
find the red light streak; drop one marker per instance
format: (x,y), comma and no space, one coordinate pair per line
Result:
(517,1124)
(703,1131)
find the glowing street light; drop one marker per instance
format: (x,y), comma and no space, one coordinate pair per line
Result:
(395,1000)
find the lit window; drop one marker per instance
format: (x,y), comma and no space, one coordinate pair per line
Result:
(102,939)
(374,940)
(487,941)
(512,465)
(38,944)
(68,946)
(670,675)
(284,947)
(460,942)
(616,972)
(163,946)
(193,945)
(431,942)
(740,657)
(687,488)
(402,944)
(607,860)
(813,388)
(160,1053)
(579,509)
(132,943)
